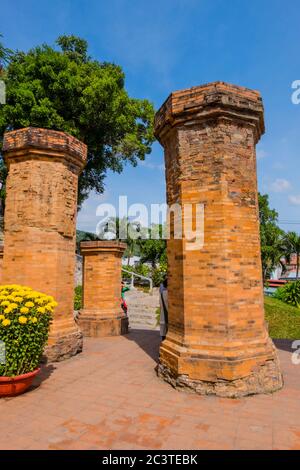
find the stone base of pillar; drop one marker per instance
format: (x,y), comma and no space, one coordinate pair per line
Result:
(231,377)
(94,326)
(64,342)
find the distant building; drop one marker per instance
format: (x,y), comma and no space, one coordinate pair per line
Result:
(134,261)
(290,268)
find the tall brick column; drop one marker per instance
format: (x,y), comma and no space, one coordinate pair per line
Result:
(40,223)
(102,314)
(217,341)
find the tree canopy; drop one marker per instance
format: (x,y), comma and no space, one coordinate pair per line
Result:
(5,55)
(272,248)
(63,88)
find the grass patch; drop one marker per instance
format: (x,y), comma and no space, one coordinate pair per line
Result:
(283,319)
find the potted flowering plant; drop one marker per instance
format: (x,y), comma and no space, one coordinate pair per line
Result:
(25,317)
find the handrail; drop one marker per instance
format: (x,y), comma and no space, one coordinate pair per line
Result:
(140,276)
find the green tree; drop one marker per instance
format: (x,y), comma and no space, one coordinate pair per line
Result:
(64,89)
(271,235)
(82,236)
(291,242)
(124,230)
(153,249)
(5,55)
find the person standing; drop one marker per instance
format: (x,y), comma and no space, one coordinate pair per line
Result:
(124,289)
(163,301)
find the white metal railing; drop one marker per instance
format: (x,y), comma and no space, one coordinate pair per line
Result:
(140,277)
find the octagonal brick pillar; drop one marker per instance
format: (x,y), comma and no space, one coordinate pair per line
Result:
(40,224)
(102,314)
(217,341)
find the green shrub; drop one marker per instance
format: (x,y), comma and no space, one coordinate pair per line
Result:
(78,298)
(157,315)
(25,317)
(290,293)
(159,274)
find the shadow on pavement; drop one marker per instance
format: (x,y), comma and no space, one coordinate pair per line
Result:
(284,344)
(148,340)
(46,371)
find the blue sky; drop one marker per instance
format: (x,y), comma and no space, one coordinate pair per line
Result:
(167,45)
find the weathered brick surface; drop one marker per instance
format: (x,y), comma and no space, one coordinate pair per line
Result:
(102,314)
(40,223)
(217,340)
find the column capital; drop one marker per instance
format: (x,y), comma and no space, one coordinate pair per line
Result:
(210,102)
(35,143)
(97,246)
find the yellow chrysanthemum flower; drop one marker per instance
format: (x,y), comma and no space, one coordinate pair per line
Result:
(24,310)
(29,304)
(13,306)
(6,322)
(8,310)
(53,304)
(34,320)
(41,310)
(18,299)
(48,308)
(22,320)
(5,303)
(2,317)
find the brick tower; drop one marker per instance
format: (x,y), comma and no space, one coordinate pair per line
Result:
(217,341)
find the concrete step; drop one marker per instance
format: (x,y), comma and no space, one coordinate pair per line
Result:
(142,309)
(142,317)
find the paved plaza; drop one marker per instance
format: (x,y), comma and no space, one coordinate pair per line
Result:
(109,397)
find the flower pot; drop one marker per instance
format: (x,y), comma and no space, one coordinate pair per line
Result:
(13,386)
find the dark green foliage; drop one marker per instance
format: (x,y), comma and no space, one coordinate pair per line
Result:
(290,294)
(5,55)
(82,236)
(270,235)
(78,298)
(66,90)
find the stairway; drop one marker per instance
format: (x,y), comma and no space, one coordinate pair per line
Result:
(142,309)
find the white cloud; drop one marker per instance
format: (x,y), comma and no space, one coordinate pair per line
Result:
(280,185)
(87,219)
(152,166)
(260,153)
(278,166)
(295,200)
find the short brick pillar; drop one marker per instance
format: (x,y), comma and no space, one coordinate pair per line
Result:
(40,224)
(102,314)
(217,341)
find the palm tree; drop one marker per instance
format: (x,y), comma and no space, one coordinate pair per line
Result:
(292,246)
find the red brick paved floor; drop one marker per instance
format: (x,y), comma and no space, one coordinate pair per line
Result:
(109,397)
